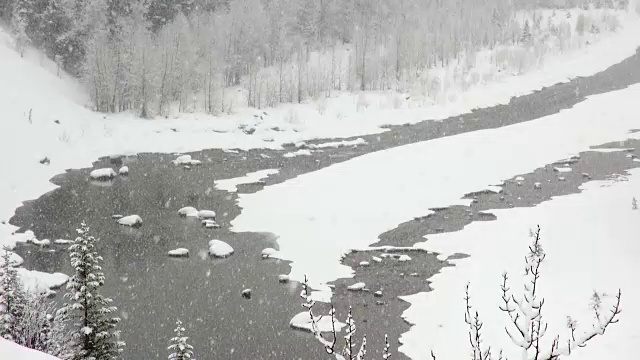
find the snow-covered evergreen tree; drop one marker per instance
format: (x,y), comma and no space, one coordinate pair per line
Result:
(179,348)
(12,300)
(93,330)
(22,11)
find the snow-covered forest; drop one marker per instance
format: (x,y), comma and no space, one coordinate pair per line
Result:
(159,56)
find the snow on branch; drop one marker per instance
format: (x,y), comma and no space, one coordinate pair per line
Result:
(526,326)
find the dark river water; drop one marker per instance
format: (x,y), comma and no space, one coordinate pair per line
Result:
(152,290)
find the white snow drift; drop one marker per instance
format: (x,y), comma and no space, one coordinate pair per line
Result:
(231,185)
(13,351)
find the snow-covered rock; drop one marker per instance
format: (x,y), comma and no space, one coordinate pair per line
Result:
(124,171)
(376,259)
(519,179)
(537,186)
(562,169)
(377,293)
(562,178)
(302,321)
(41,243)
(356,287)
(188,211)
(207,214)
(116,216)
(179,252)
(103,174)
(404,258)
(220,249)
(364,263)
(268,252)
(338,144)
(14,259)
(210,224)
(41,282)
(246,293)
(186,160)
(301,152)
(62,241)
(283,278)
(131,220)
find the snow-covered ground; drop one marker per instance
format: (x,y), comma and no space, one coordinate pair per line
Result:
(13,351)
(230,185)
(347,205)
(591,242)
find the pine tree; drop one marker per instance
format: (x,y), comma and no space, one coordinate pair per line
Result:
(22,12)
(527,37)
(180,349)
(93,332)
(12,301)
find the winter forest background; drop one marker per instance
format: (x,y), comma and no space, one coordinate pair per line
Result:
(157,57)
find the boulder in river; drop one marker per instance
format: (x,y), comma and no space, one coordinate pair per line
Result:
(188,211)
(179,252)
(220,249)
(207,214)
(131,220)
(103,174)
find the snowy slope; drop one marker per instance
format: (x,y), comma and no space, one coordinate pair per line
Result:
(591,242)
(347,205)
(13,351)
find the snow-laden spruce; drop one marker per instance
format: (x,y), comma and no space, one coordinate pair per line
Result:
(13,300)
(93,327)
(179,348)
(12,258)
